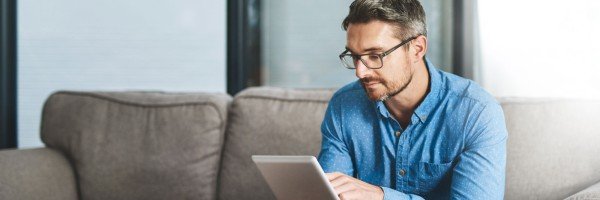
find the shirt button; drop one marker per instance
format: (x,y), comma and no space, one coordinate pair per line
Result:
(401,172)
(398,133)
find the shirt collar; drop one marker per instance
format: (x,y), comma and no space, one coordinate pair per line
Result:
(423,110)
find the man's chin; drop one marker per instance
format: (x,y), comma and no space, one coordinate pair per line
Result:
(374,95)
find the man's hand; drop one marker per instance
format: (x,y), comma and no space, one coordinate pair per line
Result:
(347,187)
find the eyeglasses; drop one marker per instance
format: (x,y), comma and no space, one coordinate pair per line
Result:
(371,61)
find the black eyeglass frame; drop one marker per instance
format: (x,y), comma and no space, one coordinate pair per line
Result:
(381,55)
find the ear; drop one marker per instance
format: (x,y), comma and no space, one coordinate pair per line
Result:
(418,48)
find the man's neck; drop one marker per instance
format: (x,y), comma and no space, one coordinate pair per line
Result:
(403,104)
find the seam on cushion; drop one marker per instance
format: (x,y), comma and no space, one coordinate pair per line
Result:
(269,89)
(115,100)
(281,99)
(210,104)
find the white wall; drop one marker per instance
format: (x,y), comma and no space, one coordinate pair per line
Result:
(540,48)
(176,45)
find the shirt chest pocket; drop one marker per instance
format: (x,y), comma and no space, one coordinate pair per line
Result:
(430,176)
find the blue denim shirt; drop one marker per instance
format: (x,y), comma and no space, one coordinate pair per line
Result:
(453,148)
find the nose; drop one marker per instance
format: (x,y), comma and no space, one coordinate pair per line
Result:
(361,70)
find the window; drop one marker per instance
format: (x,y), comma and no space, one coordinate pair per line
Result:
(116,45)
(540,48)
(301,41)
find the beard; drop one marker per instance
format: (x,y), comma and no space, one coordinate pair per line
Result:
(391,88)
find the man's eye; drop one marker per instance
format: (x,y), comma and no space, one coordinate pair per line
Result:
(373,57)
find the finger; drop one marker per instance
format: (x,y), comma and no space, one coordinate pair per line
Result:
(349,195)
(333,175)
(346,187)
(340,180)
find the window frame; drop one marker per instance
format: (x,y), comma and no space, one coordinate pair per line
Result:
(8,74)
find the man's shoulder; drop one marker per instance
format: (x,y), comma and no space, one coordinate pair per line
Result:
(480,109)
(466,90)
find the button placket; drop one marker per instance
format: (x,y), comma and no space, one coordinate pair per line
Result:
(405,149)
(399,159)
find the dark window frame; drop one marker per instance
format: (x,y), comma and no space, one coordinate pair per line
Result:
(463,43)
(8,74)
(243,45)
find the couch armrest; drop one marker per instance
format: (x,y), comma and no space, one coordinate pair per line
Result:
(592,192)
(41,173)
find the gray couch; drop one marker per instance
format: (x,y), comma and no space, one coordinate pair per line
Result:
(149,145)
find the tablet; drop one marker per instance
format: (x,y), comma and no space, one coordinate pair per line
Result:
(295,177)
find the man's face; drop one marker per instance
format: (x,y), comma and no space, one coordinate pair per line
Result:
(375,37)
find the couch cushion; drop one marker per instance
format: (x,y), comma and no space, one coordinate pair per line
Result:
(268,121)
(41,173)
(139,145)
(553,147)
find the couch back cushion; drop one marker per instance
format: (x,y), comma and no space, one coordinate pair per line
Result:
(139,145)
(553,147)
(268,121)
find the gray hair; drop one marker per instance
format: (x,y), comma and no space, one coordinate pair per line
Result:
(407,15)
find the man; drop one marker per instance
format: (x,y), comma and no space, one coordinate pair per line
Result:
(406,130)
